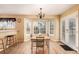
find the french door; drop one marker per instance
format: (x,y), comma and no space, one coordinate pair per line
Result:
(70,34)
(63,30)
(70,31)
(27,29)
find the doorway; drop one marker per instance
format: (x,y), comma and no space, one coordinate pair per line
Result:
(27,29)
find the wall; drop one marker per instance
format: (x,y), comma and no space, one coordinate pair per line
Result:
(70,11)
(20,29)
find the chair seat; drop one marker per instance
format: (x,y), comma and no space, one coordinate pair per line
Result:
(39,44)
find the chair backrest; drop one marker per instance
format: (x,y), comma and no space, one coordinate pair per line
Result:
(39,37)
(40,42)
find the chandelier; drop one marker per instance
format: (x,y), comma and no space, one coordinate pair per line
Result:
(40,14)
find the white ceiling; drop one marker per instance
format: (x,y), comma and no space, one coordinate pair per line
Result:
(33,9)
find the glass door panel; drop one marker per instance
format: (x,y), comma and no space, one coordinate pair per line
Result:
(63,30)
(72,31)
(27,29)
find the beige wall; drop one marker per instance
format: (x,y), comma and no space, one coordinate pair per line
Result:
(70,11)
(20,29)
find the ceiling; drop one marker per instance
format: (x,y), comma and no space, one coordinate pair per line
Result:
(33,9)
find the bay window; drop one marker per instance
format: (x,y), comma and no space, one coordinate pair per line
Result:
(40,27)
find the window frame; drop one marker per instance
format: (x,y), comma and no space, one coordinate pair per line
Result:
(53,22)
(38,21)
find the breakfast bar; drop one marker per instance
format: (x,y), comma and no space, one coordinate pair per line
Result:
(7,39)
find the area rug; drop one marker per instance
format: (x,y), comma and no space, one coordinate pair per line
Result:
(65,47)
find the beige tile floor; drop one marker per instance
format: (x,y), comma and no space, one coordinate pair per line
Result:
(25,48)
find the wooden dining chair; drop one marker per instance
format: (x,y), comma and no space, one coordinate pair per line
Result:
(40,46)
(37,43)
(33,45)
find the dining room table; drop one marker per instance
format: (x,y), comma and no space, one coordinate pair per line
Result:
(46,41)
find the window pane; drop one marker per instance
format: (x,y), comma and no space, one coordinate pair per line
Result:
(39,27)
(51,27)
(28,26)
(36,28)
(42,27)
(63,30)
(7,23)
(72,30)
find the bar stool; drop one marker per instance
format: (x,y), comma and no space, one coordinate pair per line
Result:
(2,44)
(9,40)
(14,37)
